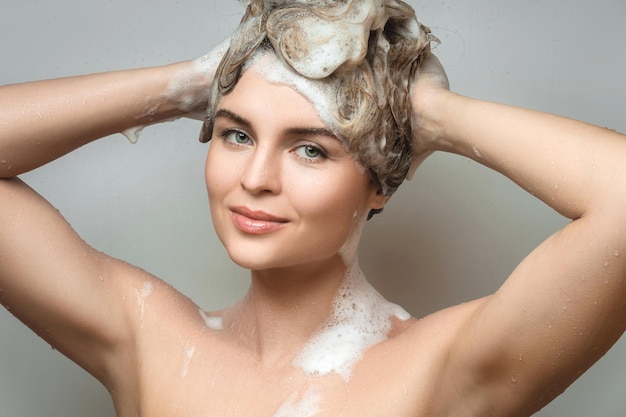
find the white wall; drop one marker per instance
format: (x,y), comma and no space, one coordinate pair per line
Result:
(453,233)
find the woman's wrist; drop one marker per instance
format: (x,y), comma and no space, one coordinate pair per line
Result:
(430,113)
(188,88)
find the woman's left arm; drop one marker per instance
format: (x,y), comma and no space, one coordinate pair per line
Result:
(564,306)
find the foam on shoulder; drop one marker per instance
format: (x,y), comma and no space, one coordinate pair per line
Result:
(360,319)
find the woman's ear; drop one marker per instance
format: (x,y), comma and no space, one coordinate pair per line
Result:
(378,203)
(378,199)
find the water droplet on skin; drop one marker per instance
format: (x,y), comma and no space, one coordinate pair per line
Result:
(514,380)
(616,254)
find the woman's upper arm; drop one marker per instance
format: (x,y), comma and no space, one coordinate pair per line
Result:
(561,309)
(564,306)
(70,294)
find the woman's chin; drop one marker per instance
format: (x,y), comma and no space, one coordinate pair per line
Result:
(255,262)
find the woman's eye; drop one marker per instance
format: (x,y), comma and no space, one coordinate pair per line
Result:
(310,152)
(236,137)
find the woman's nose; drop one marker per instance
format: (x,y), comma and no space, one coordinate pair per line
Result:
(262,172)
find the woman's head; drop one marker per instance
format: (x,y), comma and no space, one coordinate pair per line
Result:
(283,191)
(354,60)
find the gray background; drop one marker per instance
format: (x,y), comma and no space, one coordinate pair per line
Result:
(452,234)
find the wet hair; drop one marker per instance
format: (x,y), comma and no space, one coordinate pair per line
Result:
(380,45)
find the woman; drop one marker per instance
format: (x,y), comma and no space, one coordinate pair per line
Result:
(479,358)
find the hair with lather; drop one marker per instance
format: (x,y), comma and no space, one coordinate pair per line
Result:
(382,44)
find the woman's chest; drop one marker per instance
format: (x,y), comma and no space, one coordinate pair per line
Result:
(196,382)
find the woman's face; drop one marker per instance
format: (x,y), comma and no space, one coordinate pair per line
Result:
(283,190)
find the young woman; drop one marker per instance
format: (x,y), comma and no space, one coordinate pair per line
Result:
(289,199)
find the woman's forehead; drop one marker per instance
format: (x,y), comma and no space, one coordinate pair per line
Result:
(318,93)
(256,101)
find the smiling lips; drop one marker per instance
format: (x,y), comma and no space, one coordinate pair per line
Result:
(255,222)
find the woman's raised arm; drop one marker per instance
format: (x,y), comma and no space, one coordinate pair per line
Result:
(78,299)
(564,306)
(43,120)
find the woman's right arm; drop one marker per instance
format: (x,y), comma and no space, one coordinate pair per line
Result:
(76,298)
(41,121)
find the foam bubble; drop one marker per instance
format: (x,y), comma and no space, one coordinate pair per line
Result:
(318,93)
(360,319)
(133,133)
(190,87)
(212,322)
(320,43)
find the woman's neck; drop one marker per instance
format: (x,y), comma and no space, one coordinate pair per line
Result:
(319,318)
(285,307)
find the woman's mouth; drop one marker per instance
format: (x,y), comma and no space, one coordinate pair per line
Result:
(255,222)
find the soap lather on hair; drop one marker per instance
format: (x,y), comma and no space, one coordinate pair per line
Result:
(364,52)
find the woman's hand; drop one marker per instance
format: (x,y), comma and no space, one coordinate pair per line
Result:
(191,86)
(429,83)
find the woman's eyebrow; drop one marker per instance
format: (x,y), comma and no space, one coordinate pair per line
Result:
(298,131)
(311,131)
(233,117)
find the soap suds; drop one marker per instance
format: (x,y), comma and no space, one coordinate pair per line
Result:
(355,60)
(318,93)
(360,319)
(323,38)
(305,405)
(477,152)
(212,322)
(189,352)
(133,133)
(191,88)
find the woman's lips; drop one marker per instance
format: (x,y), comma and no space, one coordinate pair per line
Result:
(255,222)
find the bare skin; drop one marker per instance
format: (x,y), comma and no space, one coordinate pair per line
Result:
(504,355)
